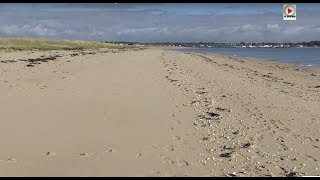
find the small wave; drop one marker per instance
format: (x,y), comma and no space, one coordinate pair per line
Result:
(306,65)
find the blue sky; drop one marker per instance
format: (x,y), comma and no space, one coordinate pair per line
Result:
(151,22)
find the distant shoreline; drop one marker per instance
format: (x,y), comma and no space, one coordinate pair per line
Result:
(241,47)
(245,57)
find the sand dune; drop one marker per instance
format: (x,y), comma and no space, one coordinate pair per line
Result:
(154,112)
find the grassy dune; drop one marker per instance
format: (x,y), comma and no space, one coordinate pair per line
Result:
(45,44)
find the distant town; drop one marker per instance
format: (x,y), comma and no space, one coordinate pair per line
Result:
(310,44)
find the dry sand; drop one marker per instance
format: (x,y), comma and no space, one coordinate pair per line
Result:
(156,113)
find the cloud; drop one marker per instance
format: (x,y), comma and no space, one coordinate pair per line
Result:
(39,30)
(125,24)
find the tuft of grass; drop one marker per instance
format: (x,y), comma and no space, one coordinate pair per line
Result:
(45,44)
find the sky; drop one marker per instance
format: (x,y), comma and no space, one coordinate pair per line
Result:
(160,22)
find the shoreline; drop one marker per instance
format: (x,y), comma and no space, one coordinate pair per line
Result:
(269,61)
(245,57)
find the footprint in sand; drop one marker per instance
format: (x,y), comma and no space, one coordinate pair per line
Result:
(84,155)
(153,173)
(138,155)
(155,146)
(110,150)
(168,148)
(166,159)
(183,163)
(43,87)
(177,138)
(11,160)
(177,121)
(50,154)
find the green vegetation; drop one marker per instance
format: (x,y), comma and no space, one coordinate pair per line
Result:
(45,44)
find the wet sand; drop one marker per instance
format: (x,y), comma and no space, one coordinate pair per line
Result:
(154,112)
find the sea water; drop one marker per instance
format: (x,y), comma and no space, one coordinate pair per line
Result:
(308,57)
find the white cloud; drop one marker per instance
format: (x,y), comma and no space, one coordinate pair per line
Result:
(274,27)
(38,30)
(148,26)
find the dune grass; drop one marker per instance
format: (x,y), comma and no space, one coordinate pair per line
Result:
(45,44)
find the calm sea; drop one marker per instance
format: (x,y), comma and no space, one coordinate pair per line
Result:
(308,57)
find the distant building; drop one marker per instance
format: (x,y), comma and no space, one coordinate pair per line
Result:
(266,46)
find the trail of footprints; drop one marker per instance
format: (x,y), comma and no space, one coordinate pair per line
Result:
(51,154)
(42,59)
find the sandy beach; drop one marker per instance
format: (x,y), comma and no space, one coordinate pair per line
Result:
(155,112)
